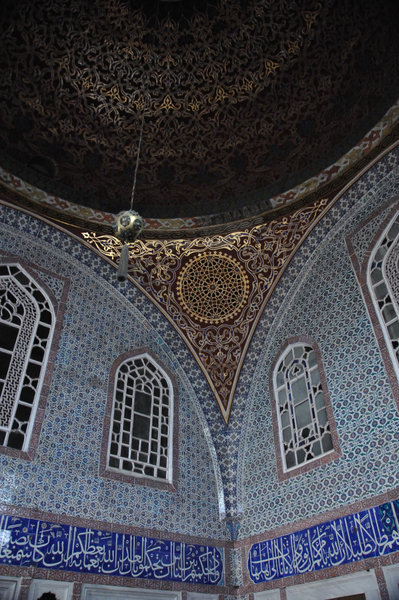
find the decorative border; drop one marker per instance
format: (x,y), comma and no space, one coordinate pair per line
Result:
(325,458)
(27,575)
(367,534)
(39,515)
(335,175)
(244,546)
(59,310)
(249,592)
(355,154)
(361,275)
(249,587)
(60,547)
(103,471)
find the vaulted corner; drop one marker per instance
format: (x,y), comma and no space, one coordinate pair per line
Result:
(199,309)
(213,290)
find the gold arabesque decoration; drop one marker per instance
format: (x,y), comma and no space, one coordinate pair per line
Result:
(217,329)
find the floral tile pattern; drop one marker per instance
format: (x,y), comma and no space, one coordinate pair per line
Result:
(100,324)
(222,470)
(319,296)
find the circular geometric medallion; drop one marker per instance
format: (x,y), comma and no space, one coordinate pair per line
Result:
(212,287)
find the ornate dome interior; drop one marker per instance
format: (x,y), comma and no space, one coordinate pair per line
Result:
(210,410)
(242,99)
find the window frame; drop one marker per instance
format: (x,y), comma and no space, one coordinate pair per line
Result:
(362,582)
(374,248)
(282,471)
(29,448)
(170,483)
(10,587)
(61,589)
(361,268)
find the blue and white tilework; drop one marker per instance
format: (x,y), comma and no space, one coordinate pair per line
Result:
(361,239)
(374,188)
(367,534)
(45,545)
(222,469)
(104,319)
(235,559)
(319,296)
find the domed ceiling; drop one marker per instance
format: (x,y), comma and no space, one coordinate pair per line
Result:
(241,99)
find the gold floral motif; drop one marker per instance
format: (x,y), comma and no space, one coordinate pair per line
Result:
(216,329)
(195,105)
(271,67)
(139,103)
(87,82)
(36,105)
(114,93)
(247,85)
(220,94)
(310,18)
(293,47)
(168,103)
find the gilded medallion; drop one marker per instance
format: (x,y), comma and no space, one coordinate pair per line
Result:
(212,288)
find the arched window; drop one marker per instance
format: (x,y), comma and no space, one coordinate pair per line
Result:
(141,423)
(304,429)
(383,283)
(26,328)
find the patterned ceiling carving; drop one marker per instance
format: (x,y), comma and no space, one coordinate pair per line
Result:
(238,96)
(213,289)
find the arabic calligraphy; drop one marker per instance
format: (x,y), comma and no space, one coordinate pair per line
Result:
(369,533)
(30,542)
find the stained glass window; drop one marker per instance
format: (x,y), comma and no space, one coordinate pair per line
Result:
(140,440)
(302,416)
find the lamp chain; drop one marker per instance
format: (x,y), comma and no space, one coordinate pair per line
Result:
(137,163)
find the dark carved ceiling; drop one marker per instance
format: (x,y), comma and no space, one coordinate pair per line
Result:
(238,96)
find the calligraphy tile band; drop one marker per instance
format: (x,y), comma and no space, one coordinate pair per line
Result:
(366,534)
(29,542)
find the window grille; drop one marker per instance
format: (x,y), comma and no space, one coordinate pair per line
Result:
(303,422)
(26,328)
(383,277)
(140,441)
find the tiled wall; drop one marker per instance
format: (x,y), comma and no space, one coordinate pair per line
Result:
(320,297)
(220,467)
(100,323)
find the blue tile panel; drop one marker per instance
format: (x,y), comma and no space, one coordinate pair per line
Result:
(319,296)
(366,534)
(29,542)
(104,319)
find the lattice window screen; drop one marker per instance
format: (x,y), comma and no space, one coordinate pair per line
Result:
(140,441)
(383,281)
(303,423)
(26,328)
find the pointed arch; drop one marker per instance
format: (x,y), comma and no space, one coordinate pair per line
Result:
(140,433)
(383,285)
(375,263)
(304,427)
(27,325)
